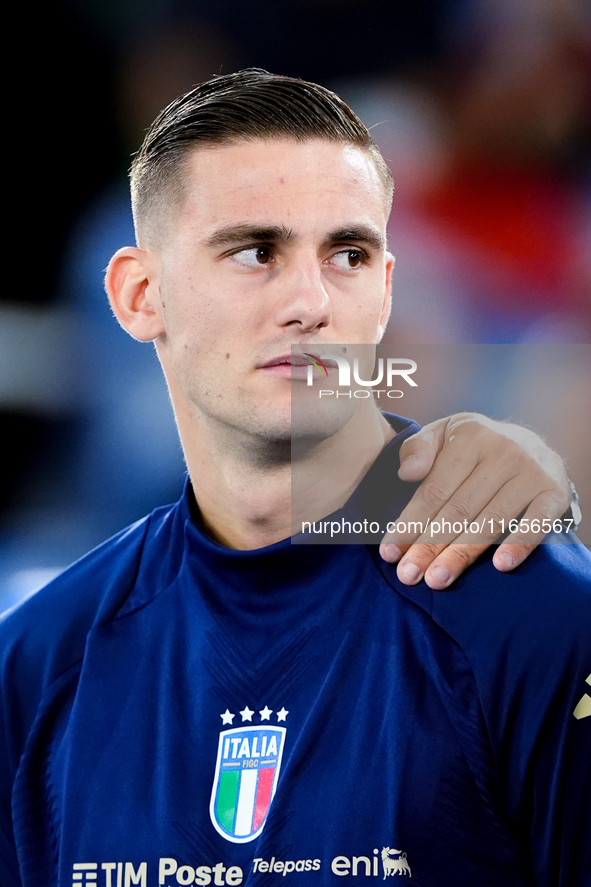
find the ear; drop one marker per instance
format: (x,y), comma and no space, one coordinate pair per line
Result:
(132,284)
(386,307)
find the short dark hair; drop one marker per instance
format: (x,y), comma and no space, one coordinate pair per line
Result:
(245,106)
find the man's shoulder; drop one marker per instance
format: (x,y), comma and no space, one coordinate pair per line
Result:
(47,631)
(525,634)
(550,590)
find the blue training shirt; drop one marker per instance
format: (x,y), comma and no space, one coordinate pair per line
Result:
(176,712)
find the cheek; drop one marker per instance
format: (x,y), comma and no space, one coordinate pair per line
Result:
(202,331)
(193,319)
(364,315)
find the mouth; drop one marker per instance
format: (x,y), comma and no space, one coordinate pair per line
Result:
(295,366)
(284,360)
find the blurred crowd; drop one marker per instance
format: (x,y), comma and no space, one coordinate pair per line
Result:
(481,107)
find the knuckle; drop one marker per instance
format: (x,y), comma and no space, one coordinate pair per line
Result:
(498,518)
(460,508)
(473,424)
(550,509)
(425,552)
(549,506)
(513,455)
(434,494)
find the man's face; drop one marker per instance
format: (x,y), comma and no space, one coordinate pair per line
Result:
(278,243)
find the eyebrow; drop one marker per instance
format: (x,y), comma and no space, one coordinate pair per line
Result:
(360,234)
(235,235)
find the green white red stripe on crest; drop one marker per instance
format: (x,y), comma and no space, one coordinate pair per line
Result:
(246,774)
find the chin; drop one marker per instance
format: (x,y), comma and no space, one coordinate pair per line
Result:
(270,425)
(315,420)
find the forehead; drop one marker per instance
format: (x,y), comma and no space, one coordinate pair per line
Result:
(308,185)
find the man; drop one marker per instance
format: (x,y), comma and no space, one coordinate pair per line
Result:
(200,702)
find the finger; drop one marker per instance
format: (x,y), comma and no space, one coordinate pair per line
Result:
(438,565)
(443,502)
(416,561)
(508,556)
(509,507)
(431,503)
(447,546)
(391,551)
(451,563)
(440,562)
(532,528)
(470,483)
(418,453)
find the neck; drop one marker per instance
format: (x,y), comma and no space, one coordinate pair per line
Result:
(252,492)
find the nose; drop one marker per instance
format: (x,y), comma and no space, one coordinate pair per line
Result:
(303,301)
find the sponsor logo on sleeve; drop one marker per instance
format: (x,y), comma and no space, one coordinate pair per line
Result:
(583,709)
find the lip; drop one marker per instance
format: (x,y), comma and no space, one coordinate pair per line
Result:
(284,359)
(294,366)
(299,360)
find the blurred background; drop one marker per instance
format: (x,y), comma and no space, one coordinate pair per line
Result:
(481,107)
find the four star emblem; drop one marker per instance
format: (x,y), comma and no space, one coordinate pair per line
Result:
(247,713)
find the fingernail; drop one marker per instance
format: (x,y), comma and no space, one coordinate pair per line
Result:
(411,458)
(441,575)
(410,571)
(504,561)
(391,553)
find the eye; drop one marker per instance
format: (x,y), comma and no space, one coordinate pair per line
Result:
(253,256)
(349,259)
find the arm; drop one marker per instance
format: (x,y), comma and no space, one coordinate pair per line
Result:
(474,469)
(527,641)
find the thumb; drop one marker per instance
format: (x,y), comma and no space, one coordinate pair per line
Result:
(418,453)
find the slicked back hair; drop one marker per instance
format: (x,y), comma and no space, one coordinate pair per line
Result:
(246,106)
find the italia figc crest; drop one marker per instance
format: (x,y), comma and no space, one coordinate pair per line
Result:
(246,774)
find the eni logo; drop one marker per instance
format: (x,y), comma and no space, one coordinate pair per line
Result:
(583,709)
(395,862)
